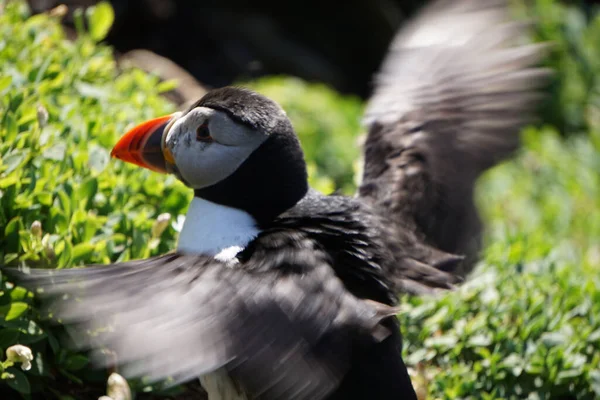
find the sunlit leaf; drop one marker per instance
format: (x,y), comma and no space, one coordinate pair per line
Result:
(16,309)
(100,19)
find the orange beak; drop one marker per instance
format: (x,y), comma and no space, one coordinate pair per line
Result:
(144,145)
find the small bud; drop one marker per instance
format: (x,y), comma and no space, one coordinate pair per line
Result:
(20,354)
(47,243)
(36,229)
(59,11)
(161,223)
(42,116)
(118,388)
(49,251)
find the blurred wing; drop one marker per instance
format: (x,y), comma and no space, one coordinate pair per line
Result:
(270,323)
(449,102)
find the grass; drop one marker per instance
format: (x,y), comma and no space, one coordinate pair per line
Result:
(527,325)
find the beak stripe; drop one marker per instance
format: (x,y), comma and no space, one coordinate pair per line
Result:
(139,145)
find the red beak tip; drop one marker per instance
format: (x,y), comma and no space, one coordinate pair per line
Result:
(132,146)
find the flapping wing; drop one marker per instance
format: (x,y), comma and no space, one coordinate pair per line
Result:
(270,322)
(449,102)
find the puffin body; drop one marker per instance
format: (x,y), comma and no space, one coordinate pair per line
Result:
(277,291)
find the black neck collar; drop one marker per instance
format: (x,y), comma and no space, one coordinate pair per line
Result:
(272,180)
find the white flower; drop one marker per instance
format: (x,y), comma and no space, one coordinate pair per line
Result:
(161,223)
(19,353)
(118,388)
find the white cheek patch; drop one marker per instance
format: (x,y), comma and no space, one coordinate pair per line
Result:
(203,164)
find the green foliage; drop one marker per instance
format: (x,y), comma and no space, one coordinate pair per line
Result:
(100,19)
(527,325)
(63,105)
(574,32)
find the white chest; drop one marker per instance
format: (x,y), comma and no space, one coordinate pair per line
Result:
(222,232)
(216,230)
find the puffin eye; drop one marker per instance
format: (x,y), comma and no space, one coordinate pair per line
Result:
(203,134)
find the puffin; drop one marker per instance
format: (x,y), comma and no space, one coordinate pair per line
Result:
(276,291)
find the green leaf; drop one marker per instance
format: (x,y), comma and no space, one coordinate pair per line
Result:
(34,334)
(166,86)
(44,198)
(81,252)
(88,189)
(70,376)
(18,293)
(16,309)
(100,19)
(65,203)
(11,232)
(75,362)
(53,342)
(92,91)
(5,82)
(568,375)
(18,380)
(482,340)
(65,255)
(594,336)
(13,161)
(8,337)
(551,339)
(11,127)
(56,152)
(9,181)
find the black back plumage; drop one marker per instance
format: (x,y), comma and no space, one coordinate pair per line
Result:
(374,259)
(302,314)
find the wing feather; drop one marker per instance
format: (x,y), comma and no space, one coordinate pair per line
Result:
(451,97)
(272,323)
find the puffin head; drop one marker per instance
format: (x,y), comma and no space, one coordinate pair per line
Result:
(233,147)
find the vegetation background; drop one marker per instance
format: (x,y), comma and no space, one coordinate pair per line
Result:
(527,323)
